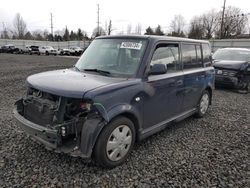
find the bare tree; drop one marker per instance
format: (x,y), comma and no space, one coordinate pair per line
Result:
(110,29)
(97,33)
(234,23)
(19,26)
(38,34)
(177,25)
(196,30)
(129,28)
(210,21)
(138,29)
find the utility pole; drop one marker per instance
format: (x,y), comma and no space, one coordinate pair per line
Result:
(222,19)
(51,25)
(98,22)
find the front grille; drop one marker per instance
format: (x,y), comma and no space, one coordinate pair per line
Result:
(224,72)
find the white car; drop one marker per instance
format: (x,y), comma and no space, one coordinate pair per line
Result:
(75,50)
(47,50)
(25,50)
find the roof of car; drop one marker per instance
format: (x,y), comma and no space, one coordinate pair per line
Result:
(236,49)
(153,37)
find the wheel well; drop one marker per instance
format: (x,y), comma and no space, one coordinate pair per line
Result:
(210,93)
(131,117)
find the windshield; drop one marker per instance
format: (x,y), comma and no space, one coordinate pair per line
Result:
(233,55)
(119,57)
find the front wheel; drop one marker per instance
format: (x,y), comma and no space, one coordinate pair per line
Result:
(115,142)
(203,104)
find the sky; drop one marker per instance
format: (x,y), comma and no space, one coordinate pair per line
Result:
(83,14)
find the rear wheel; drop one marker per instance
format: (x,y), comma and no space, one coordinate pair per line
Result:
(115,142)
(203,104)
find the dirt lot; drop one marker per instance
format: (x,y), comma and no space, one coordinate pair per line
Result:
(209,152)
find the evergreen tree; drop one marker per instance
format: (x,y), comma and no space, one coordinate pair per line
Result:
(66,34)
(158,31)
(149,31)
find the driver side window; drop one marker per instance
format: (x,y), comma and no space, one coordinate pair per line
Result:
(167,54)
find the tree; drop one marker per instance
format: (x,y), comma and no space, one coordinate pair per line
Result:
(38,35)
(138,29)
(97,33)
(5,34)
(50,37)
(149,31)
(58,37)
(79,34)
(109,28)
(73,35)
(19,26)
(66,34)
(158,31)
(210,21)
(28,36)
(177,26)
(196,30)
(129,29)
(234,23)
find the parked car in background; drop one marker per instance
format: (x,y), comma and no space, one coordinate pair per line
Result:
(47,50)
(64,51)
(232,66)
(122,89)
(25,50)
(9,48)
(75,50)
(34,50)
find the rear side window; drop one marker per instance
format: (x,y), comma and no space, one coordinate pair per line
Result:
(167,54)
(191,56)
(206,55)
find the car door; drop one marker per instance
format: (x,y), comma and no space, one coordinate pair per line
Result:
(194,74)
(163,92)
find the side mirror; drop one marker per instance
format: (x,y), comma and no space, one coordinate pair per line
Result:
(158,69)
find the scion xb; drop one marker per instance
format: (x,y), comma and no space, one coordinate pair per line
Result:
(122,90)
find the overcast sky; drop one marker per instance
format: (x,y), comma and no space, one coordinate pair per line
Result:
(83,14)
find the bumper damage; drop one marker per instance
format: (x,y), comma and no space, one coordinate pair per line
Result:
(75,137)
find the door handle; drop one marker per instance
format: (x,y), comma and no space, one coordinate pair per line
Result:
(179,82)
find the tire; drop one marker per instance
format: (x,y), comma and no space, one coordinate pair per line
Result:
(203,104)
(248,87)
(115,142)
(46,53)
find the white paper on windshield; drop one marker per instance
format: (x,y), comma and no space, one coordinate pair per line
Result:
(131,45)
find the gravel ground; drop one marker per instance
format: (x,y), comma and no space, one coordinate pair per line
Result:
(208,152)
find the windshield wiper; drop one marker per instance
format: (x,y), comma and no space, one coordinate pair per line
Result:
(103,72)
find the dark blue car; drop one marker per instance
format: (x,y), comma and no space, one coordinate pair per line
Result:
(122,89)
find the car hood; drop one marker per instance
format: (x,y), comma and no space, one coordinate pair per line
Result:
(234,65)
(68,82)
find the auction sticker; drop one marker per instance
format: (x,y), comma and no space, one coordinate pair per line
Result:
(131,45)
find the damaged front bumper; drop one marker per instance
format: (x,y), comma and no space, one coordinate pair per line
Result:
(225,81)
(79,144)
